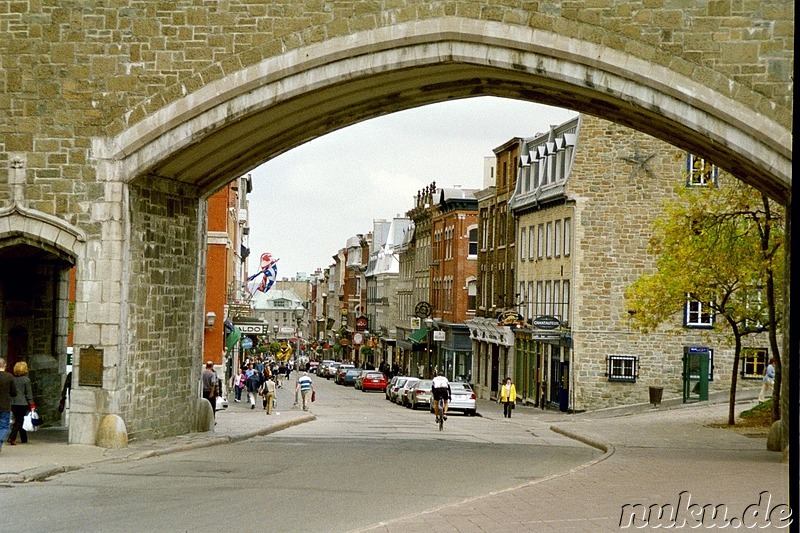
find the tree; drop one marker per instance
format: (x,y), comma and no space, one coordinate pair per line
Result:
(722,247)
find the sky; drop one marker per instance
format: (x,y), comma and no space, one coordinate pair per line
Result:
(307,202)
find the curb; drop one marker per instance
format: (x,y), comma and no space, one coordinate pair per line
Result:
(41,473)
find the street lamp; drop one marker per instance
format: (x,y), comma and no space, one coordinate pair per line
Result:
(298,315)
(429,327)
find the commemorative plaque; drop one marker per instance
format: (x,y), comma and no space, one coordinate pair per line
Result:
(90,369)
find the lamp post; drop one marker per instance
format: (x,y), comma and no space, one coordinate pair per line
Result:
(298,315)
(429,327)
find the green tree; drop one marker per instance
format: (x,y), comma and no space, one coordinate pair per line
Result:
(723,247)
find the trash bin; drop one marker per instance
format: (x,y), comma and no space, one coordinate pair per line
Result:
(655,395)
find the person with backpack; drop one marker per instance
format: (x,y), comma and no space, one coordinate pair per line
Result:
(253,384)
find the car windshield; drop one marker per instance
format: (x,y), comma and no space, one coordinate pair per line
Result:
(460,386)
(424,384)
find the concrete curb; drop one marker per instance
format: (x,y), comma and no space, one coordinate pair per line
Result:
(44,472)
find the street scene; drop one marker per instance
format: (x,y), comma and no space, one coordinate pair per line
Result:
(397,266)
(357,462)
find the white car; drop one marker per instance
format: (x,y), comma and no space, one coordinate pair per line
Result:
(404,391)
(462,399)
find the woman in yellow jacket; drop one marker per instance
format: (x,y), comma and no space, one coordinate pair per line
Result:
(508,397)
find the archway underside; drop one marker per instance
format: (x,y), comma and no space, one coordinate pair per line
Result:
(215,156)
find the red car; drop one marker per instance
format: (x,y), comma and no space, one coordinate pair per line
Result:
(373,381)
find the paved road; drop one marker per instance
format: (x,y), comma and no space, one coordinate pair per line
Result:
(361,462)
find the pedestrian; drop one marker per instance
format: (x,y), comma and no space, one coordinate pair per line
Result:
(253,384)
(268,390)
(8,390)
(22,403)
(306,388)
(209,379)
(238,385)
(66,393)
(508,397)
(767,382)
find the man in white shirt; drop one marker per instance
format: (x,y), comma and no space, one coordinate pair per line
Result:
(440,390)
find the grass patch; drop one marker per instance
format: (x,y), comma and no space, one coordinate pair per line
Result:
(758,416)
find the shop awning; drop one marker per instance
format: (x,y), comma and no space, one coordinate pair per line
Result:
(419,335)
(233,338)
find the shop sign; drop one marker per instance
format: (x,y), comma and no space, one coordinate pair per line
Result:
(362,323)
(510,318)
(546,322)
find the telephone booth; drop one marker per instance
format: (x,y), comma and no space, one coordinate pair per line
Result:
(696,371)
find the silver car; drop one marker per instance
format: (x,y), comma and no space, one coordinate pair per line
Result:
(403,392)
(420,395)
(462,399)
(398,384)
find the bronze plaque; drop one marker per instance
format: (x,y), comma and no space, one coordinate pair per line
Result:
(90,368)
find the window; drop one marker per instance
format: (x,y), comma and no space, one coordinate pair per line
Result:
(484,230)
(549,241)
(539,298)
(531,242)
(697,314)
(529,299)
(622,368)
(548,298)
(472,294)
(472,253)
(540,241)
(754,361)
(700,172)
(565,302)
(557,238)
(567,236)
(557,299)
(523,239)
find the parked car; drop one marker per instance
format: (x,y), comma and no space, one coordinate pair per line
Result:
(330,369)
(420,394)
(390,386)
(462,399)
(313,366)
(360,378)
(373,381)
(341,370)
(350,376)
(401,380)
(402,392)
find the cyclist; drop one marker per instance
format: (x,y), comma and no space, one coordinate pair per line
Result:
(440,389)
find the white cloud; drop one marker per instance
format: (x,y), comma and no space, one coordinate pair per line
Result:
(307,202)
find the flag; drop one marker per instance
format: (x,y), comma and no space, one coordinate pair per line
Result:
(268,273)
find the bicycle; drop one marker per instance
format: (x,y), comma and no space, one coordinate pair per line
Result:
(440,416)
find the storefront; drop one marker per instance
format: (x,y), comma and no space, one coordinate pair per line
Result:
(453,355)
(492,355)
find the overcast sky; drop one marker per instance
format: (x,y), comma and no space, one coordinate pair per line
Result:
(307,202)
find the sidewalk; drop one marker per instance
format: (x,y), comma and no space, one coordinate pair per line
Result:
(47,452)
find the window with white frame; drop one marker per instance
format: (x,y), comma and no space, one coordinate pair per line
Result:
(548,298)
(697,314)
(529,299)
(700,171)
(540,241)
(531,242)
(565,302)
(539,298)
(567,236)
(472,252)
(523,240)
(557,298)
(472,294)
(622,368)
(557,238)
(549,240)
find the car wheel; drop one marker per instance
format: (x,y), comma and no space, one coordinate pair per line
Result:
(471,412)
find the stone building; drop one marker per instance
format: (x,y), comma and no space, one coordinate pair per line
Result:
(586,196)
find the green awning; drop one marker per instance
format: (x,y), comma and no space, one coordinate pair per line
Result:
(233,338)
(419,335)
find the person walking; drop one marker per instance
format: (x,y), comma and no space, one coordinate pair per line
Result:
(8,389)
(209,379)
(253,384)
(238,385)
(268,390)
(767,382)
(21,403)
(306,388)
(508,397)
